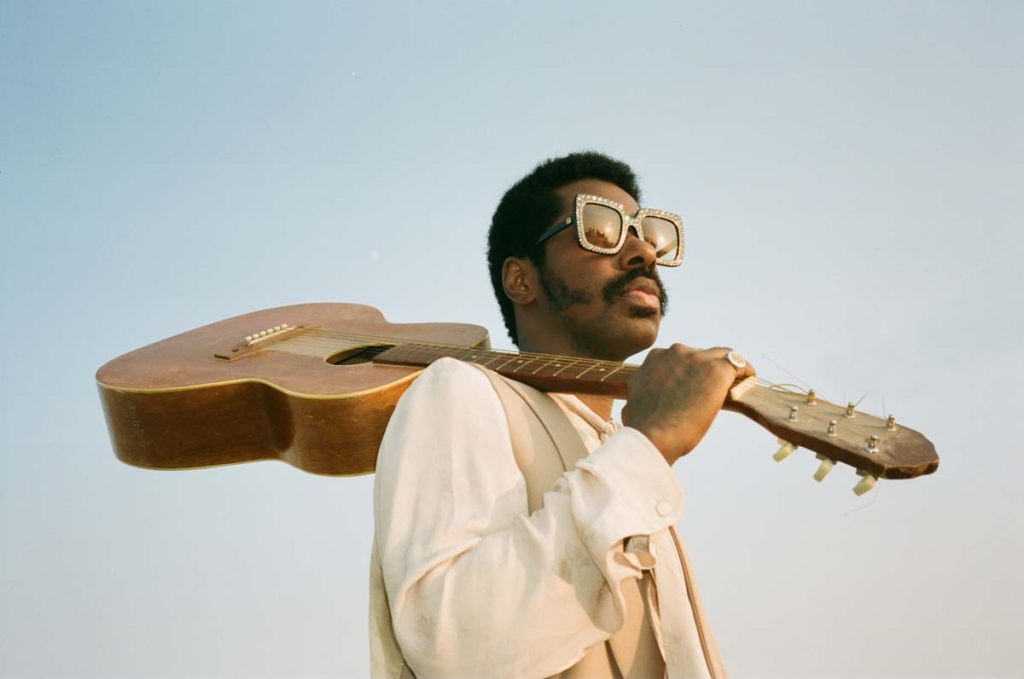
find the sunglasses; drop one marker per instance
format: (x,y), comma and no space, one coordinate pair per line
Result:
(602,226)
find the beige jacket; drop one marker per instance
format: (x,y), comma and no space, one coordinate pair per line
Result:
(467,582)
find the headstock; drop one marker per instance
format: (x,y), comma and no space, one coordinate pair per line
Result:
(875,447)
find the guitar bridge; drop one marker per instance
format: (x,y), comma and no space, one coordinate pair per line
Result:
(256,341)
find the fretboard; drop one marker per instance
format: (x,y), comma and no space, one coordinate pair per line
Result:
(543,371)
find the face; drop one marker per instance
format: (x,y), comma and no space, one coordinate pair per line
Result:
(606,306)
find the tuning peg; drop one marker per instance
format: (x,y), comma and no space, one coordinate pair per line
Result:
(812,398)
(866,483)
(783,452)
(824,468)
(851,410)
(890,423)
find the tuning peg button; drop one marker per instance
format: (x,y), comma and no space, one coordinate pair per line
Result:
(785,451)
(866,483)
(824,468)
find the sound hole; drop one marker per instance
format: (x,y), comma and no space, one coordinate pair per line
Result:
(357,355)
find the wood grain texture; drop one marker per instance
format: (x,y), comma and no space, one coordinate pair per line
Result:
(901,454)
(173,405)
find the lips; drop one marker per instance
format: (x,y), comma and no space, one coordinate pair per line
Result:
(646,287)
(643,293)
(640,289)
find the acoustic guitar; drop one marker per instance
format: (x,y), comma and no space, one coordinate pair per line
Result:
(315,384)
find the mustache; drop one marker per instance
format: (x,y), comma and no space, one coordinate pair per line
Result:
(616,287)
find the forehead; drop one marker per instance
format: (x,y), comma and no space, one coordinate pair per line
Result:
(596,187)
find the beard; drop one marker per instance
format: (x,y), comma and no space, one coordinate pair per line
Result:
(597,338)
(561,296)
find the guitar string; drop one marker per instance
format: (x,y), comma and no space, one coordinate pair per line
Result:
(400,341)
(328,344)
(780,367)
(427,346)
(321,338)
(573,367)
(485,358)
(469,353)
(323,341)
(418,345)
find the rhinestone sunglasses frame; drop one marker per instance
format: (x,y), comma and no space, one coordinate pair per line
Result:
(636,222)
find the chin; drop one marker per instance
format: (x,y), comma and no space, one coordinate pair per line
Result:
(635,335)
(641,343)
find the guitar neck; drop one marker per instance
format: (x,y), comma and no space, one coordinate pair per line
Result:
(560,374)
(860,440)
(550,373)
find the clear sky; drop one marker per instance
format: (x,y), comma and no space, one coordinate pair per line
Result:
(850,178)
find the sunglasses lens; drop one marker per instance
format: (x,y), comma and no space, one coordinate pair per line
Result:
(602,225)
(663,235)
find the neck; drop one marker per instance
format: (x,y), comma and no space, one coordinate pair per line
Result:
(601,405)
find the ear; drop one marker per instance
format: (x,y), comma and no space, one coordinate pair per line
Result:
(519,278)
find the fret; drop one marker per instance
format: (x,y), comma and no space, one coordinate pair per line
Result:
(502,366)
(566,367)
(522,364)
(544,365)
(612,373)
(585,371)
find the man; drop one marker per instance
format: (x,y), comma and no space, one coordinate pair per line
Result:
(466,580)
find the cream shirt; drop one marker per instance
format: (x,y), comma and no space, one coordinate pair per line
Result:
(465,582)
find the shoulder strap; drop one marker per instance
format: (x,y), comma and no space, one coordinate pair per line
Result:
(544,441)
(537,425)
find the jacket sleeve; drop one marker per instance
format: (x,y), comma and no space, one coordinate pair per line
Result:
(478,586)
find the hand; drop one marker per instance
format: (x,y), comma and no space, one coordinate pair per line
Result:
(675,395)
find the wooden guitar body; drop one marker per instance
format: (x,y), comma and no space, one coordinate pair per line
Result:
(175,404)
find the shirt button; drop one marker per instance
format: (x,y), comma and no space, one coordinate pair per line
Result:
(663,508)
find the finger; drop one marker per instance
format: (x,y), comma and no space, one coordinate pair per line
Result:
(652,355)
(743,371)
(675,349)
(746,371)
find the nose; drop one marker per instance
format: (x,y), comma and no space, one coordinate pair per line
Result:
(636,253)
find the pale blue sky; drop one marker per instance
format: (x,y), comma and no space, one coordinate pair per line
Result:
(849,175)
